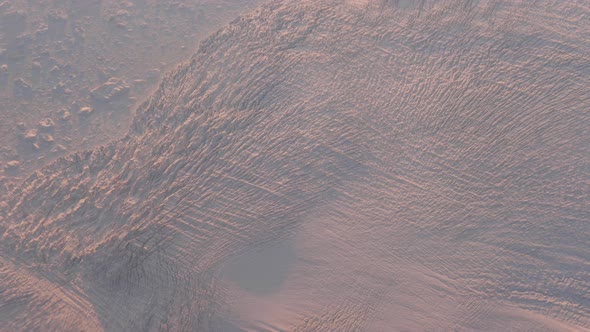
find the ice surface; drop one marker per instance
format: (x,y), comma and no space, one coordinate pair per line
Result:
(329,166)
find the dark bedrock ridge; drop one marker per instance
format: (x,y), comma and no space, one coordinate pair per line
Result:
(463,128)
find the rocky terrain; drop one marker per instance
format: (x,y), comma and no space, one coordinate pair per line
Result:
(61,58)
(326,166)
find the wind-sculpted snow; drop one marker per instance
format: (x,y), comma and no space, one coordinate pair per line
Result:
(329,166)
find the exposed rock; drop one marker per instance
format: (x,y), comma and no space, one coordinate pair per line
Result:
(31,135)
(46,124)
(60,90)
(59,148)
(47,139)
(113,88)
(86,110)
(65,116)
(12,165)
(6,185)
(120,19)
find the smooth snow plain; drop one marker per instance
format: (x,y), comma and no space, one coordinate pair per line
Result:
(329,166)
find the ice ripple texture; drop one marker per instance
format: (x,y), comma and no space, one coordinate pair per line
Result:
(329,166)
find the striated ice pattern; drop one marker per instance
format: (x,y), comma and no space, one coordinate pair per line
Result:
(329,166)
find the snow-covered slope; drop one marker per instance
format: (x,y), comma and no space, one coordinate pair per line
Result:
(329,166)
